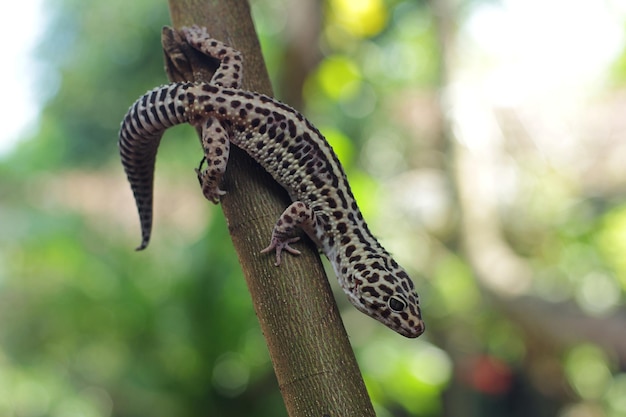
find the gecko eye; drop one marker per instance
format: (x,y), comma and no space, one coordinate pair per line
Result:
(396,304)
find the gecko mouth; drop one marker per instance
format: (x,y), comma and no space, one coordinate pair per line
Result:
(415,331)
(410,329)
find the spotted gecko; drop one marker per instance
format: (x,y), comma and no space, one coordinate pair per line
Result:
(295,153)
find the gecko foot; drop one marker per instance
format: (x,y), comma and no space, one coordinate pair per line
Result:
(209,186)
(279,245)
(195,34)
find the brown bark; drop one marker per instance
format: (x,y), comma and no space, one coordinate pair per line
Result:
(314,363)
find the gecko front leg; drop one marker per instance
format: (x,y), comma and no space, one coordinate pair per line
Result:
(297,215)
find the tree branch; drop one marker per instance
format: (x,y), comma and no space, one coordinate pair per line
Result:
(314,363)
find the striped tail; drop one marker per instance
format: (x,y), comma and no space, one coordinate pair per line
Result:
(139,138)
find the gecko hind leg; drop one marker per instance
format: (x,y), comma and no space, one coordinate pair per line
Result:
(216,149)
(230,72)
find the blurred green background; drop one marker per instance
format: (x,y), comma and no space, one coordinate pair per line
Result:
(497,179)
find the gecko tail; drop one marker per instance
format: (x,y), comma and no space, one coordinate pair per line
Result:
(139,139)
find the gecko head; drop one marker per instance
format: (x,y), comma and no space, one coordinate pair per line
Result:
(382,289)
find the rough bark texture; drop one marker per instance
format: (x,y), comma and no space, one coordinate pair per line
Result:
(314,363)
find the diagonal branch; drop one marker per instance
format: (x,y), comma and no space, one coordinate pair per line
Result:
(314,363)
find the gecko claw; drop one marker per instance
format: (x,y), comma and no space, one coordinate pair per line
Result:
(280,246)
(209,187)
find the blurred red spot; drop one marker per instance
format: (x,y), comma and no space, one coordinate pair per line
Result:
(488,375)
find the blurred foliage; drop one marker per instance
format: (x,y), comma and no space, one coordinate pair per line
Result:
(89,327)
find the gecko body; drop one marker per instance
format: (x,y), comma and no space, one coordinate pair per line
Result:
(295,153)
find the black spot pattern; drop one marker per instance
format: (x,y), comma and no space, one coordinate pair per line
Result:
(295,153)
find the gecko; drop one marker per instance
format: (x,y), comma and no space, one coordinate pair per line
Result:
(296,155)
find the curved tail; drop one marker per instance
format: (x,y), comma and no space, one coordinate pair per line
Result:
(139,138)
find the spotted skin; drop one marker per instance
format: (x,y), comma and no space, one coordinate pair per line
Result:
(295,153)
